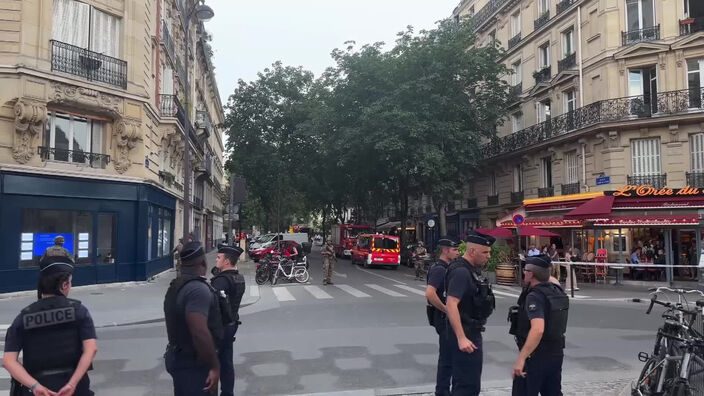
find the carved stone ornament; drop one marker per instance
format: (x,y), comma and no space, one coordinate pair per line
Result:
(85,97)
(126,134)
(29,120)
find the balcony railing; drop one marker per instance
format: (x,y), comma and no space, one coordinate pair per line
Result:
(570,188)
(657,181)
(651,33)
(74,156)
(492,200)
(691,25)
(544,192)
(695,179)
(542,75)
(203,121)
(542,20)
(169,105)
(563,5)
(471,203)
(567,62)
(198,202)
(517,89)
(168,41)
(92,66)
(486,12)
(513,41)
(608,110)
(516,197)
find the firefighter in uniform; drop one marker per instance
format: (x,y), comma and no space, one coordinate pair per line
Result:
(56,336)
(470,302)
(193,326)
(539,323)
(230,282)
(435,293)
(57,250)
(419,255)
(329,259)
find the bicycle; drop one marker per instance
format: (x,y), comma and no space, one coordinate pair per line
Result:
(298,271)
(669,370)
(265,269)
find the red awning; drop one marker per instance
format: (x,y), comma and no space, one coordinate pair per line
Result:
(546,222)
(594,208)
(649,220)
(532,231)
(499,232)
(502,232)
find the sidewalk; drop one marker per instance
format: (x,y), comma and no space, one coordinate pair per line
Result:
(120,304)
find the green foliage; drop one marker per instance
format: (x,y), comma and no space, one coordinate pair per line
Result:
(501,253)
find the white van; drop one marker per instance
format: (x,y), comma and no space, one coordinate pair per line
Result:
(298,237)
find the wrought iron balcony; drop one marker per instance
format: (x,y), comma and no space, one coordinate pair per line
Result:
(168,41)
(516,197)
(486,12)
(567,62)
(471,203)
(193,137)
(513,41)
(608,110)
(492,200)
(651,33)
(74,156)
(657,181)
(570,188)
(517,89)
(542,75)
(563,5)
(198,202)
(203,122)
(169,106)
(542,20)
(691,25)
(92,66)
(544,192)
(695,179)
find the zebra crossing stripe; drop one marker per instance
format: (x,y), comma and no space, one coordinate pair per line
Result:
(411,289)
(384,290)
(351,290)
(254,291)
(282,294)
(317,292)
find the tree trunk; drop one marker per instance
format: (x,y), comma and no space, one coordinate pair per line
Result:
(325,234)
(441,219)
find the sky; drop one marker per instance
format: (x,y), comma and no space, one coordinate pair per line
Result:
(250,35)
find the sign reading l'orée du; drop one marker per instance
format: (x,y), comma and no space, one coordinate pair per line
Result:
(650,191)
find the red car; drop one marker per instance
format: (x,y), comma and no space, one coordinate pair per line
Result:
(271,247)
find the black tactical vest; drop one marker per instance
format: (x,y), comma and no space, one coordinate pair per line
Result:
(236,287)
(553,340)
(476,309)
(51,337)
(175,316)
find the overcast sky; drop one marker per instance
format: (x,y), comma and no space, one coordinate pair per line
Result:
(249,35)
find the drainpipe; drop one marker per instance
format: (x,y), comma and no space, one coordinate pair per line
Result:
(579,54)
(584,166)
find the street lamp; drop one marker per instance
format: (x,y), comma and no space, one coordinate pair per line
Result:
(203,13)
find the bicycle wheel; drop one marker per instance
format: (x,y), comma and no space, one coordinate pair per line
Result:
(261,277)
(680,388)
(275,277)
(648,378)
(302,275)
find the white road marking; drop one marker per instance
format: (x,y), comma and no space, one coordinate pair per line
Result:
(317,292)
(254,290)
(4,327)
(411,289)
(351,290)
(384,290)
(339,274)
(502,293)
(380,276)
(282,294)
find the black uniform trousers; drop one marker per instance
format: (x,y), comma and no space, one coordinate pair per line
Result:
(188,374)
(444,375)
(466,367)
(227,366)
(543,375)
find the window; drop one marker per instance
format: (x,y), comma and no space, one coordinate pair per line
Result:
(160,220)
(568,42)
(543,6)
(518,178)
(544,108)
(694,81)
(696,150)
(107,233)
(492,36)
(517,121)
(167,80)
(517,75)
(546,174)
(645,157)
(40,227)
(640,14)
(73,139)
(572,167)
(492,184)
(84,26)
(385,243)
(516,23)
(570,101)
(471,11)
(544,55)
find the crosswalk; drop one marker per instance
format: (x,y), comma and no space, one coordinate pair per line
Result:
(4,375)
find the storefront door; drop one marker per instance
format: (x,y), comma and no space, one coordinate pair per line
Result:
(105,256)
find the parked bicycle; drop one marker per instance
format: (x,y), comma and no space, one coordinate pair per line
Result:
(296,270)
(265,269)
(677,356)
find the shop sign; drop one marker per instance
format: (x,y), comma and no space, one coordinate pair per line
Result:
(600,181)
(641,191)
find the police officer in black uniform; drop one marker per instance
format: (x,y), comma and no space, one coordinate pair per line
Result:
(229,282)
(470,302)
(539,324)
(55,334)
(435,292)
(193,326)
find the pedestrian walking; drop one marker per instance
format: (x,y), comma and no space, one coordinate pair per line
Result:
(177,255)
(57,250)
(419,255)
(230,282)
(470,301)
(539,325)
(329,259)
(55,335)
(193,326)
(436,310)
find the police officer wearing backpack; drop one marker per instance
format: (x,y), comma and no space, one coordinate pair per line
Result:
(435,292)
(194,327)
(470,302)
(539,324)
(230,282)
(56,336)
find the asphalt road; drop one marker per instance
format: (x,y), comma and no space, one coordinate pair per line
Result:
(367,331)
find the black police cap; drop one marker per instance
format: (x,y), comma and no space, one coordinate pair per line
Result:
(480,239)
(191,252)
(448,241)
(541,260)
(55,264)
(233,250)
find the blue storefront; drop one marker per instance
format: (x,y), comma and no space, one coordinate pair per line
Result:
(116,231)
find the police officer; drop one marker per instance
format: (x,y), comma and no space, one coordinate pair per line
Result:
(56,336)
(419,255)
(230,282)
(540,331)
(470,301)
(193,326)
(329,259)
(56,250)
(435,292)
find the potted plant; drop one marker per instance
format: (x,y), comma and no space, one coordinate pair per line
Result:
(501,256)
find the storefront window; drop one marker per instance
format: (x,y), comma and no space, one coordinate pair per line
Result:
(106,238)
(160,219)
(40,227)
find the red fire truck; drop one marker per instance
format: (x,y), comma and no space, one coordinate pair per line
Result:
(344,237)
